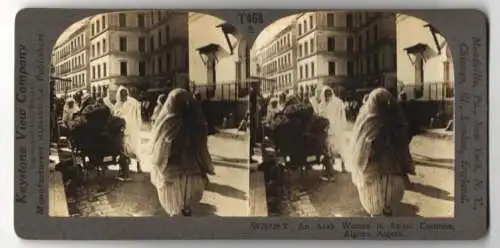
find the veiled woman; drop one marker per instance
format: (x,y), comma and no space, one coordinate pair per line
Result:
(159,104)
(179,156)
(380,156)
(70,109)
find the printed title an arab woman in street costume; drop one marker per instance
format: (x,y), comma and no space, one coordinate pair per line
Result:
(380,156)
(179,153)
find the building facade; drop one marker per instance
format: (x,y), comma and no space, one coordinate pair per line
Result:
(276,62)
(138,49)
(424,60)
(347,49)
(70,60)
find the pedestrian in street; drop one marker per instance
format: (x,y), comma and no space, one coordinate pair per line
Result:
(331,108)
(379,153)
(70,110)
(159,104)
(110,98)
(179,153)
(129,109)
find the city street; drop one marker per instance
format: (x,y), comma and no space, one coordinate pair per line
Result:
(432,194)
(226,194)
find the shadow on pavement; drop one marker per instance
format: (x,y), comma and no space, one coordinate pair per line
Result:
(431,191)
(204,209)
(406,210)
(230,164)
(226,191)
(232,160)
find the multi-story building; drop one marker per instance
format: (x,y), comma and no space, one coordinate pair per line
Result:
(276,62)
(424,61)
(218,55)
(138,49)
(70,60)
(376,61)
(141,50)
(348,49)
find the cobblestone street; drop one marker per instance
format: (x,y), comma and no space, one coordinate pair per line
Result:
(226,194)
(432,195)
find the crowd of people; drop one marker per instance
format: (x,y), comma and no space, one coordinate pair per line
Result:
(177,153)
(371,137)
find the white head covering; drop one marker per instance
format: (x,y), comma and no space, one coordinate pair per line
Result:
(130,111)
(68,112)
(380,129)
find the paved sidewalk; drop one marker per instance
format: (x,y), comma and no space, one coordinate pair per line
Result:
(226,194)
(432,196)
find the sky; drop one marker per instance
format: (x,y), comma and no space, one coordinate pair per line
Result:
(270,31)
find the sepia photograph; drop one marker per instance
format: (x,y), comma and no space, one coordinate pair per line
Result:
(149,117)
(352,117)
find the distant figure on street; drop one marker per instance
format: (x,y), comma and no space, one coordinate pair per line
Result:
(159,104)
(129,109)
(379,153)
(69,111)
(179,153)
(110,99)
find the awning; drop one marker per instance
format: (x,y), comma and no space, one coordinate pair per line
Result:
(418,48)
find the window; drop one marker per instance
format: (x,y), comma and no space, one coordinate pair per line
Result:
(331,44)
(142,44)
(93,29)
(331,69)
(311,22)
(104,70)
(367,38)
(98,71)
(123,44)
(103,22)
(306,50)
(142,68)
(140,20)
(300,50)
(311,45)
(152,66)
(152,43)
(360,43)
(350,68)
(368,65)
(375,62)
(300,29)
(93,72)
(160,64)
(122,20)
(306,70)
(375,33)
(168,63)
(93,50)
(350,44)
(160,43)
(300,73)
(98,48)
(167,33)
(312,69)
(97,26)
(103,45)
(305,26)
(349,20)
(123,68)
(158,15)
(330,20)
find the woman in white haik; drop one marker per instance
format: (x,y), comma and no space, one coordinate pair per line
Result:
(129,109)
(179,155)
(380,155)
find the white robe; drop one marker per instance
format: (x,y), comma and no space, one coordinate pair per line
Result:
(130,111)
